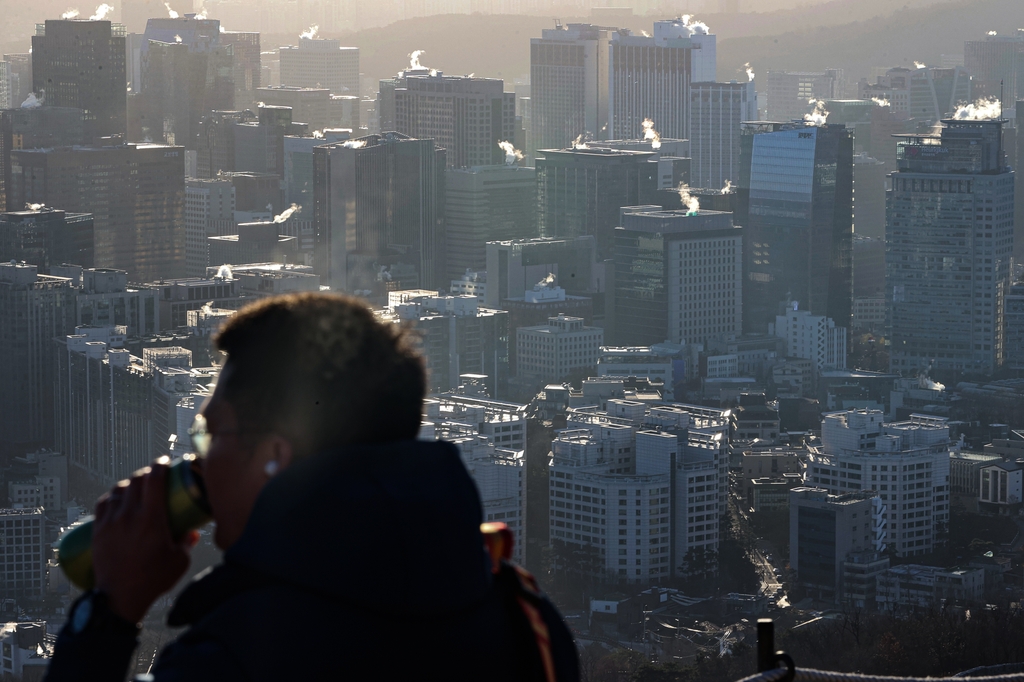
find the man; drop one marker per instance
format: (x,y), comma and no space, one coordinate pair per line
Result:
(351,549)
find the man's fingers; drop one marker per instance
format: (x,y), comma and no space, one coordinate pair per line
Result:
(154,492)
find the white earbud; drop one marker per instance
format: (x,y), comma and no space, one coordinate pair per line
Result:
(271,468)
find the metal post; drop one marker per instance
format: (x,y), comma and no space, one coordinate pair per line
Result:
(765,644)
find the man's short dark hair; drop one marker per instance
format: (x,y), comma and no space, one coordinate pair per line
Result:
(323,371)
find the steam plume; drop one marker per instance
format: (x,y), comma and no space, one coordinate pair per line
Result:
(318,134)
(354,144)
(650,134)
(310,32)
(101,12)
(819,115)
(727,189)
(414,59)
(750,71)
(980,110)
(511,153)
(34,207)
(694,27)
(645,34)
(580,142)
(170,12)
(547,281)
(202,15)
(880,101)
(224,272)
(992,33)
(691,202)
(287,213)
(70,14)
(920,65)
(32,101)
(177,38)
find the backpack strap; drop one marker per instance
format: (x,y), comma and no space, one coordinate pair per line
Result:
(498,540)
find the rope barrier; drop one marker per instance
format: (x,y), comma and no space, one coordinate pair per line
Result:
(811,675)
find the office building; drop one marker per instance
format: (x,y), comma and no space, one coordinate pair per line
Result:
(465,116)
(484,204)
(259,242)
(179,296)
(298,166)
(812,337)
(1000,491)
(799,233)
(34,309)
(559,349)
(379,214)
(103,298)
(671,155)
(19,74)
(913,586)
(81,64)
(568,86)
(209,211)
(245,52)
(135,193)
(787,93)
(649,78)
(949,240)
(256,194)
(23,567)
(321,63)
(663,363)
(716,112)
(678,276)
(936,93)
(311,106)
(1013,320)
(259,145)
(31,128)
(515,266)
(825,529)
(653,482)
(215,148)
(906,463)
(996,64)
(580,191)
(458,338)
(45,237)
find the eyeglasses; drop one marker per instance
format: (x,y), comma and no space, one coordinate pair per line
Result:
(201,437)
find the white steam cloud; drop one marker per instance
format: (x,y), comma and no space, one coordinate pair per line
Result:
(310,32)
(920,65)
(202,15)
(694,27)
(34,207)
(650,134)
(318,134)
(979,110)
(287,213)
(992,33)
(750,71)
(170,12)
(580,142)
(819,115)
(645,34)
(547,281)
(224,272)
(511,153)
(414,59)
(33,101)
(691,202)
(70,14)
(728,189)
(881,101)
(101,12)
(177,38)
(354,144)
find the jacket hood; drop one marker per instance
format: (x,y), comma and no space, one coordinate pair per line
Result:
(395,525)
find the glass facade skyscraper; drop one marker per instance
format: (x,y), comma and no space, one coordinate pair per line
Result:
(949,237)
(796,185)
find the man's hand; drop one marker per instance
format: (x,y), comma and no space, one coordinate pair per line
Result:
(135,558)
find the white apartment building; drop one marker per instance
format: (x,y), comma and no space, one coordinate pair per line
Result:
(551,352)
(40,491)
(812,337)
(504,423)
(639,487)
(906,463)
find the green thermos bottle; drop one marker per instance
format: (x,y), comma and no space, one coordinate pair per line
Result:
(187,509)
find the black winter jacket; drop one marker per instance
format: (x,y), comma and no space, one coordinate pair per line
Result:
(365,564)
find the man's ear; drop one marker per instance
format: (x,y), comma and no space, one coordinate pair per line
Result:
(275,453)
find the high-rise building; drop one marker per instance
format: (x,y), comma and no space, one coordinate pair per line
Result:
(1013,316)
(580,191)
(905,463)
(825,530)
(997,66)
(949,240)
(81,64)
(812,337)
(245,49)
(19,74)
(484,204)
(135,193)
(215,147)
(649,78)
(551,352)
(321,63)
(379,213)
(656,481)
(309,105)
(514,266)
(678,276)
(465,116)
(45,237)
(209,211)
(787,93)
(568,86)
(259,242)
(716,112)
(458,338)
(103,298)
(298,166)
(34,309)
(798,237)
(23,567)
(259,145)
(33,128)
(5,85)
(937,93)
(671,155)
